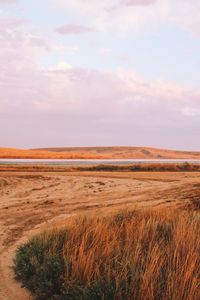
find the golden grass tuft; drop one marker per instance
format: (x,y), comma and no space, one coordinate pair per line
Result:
(136,255)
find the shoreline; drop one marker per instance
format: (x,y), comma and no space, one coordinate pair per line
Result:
(136,167)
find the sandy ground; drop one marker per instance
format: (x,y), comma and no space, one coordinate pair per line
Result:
(30,202)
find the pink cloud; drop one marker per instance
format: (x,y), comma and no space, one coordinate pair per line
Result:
(74,29)
(83,107)
(109,16)
(138,2)
(67,105)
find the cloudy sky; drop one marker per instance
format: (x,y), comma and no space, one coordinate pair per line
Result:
(100,72)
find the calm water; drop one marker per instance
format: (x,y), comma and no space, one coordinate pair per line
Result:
(63,162)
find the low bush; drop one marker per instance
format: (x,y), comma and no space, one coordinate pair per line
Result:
(40,266)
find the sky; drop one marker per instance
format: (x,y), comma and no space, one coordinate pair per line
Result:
(100,73)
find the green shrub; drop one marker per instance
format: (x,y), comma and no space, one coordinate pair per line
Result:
(38,268)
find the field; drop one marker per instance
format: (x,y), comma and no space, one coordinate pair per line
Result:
(98,153)
(34,201)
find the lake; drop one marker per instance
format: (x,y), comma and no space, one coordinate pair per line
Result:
(64,162)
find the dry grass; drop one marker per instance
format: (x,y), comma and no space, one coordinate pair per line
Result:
(98,153)
(140,167)
(147,254)
(144,167)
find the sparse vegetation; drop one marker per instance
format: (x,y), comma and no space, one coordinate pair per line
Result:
(143,254)
(140,167)
(144,167)
(97,153)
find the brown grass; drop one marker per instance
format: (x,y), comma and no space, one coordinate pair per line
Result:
(141,255)
(98,153)
(144,167)
(141,167)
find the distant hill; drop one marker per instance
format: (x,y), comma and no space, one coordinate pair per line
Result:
(98,153)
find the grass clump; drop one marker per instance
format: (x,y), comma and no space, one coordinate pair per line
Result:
(139,255)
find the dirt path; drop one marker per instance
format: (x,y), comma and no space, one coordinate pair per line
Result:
(29,202)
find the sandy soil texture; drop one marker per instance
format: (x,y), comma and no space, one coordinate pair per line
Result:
(29,202)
